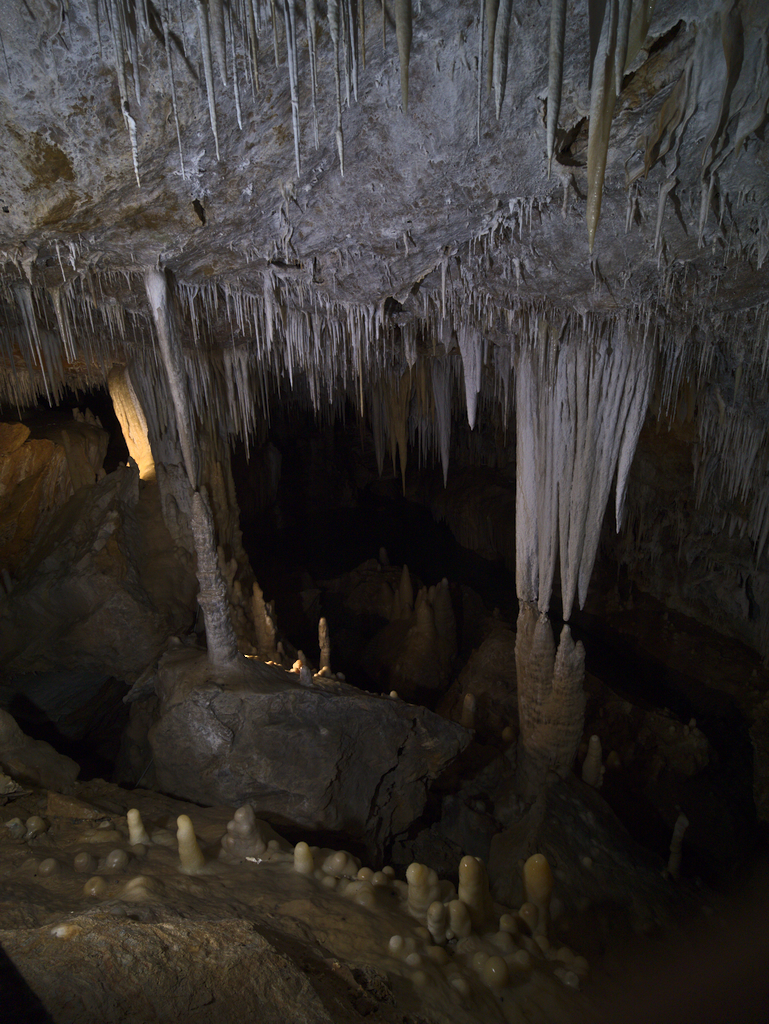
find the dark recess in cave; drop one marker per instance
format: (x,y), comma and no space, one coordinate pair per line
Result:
(333,512)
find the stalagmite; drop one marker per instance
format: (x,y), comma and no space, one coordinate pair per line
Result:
(191,859)
(555,74)
(460,924)
(136,830)
(403,35)
(538,884)
(405,593)
(592,768)
(424,888)
(437,922)
(212,596)
(501,48)
(263,626)
(676,844)
(324,642)
(304,861)
(473,891)
(132,420)
(551,700)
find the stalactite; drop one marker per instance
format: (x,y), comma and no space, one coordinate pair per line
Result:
(479,86)
(470,345)
(352,47)
(289,10)
(119,46)
(501,47)
(93,11)
(555,74)
(403,35)
(253,41)
(218,37)
(157,295)
(623,36)
(602,100)
(236,86)
(492,6)
(311,35)
(441,380)
(167,44)
(334,28)
(274,19)
(580,404)
(205,48)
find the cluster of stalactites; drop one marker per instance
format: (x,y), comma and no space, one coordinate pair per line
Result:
(225,38)
(581,400)
(617,31)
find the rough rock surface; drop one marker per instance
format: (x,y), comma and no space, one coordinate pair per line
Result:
(140,940)
(206,972)
(38,474)
(30,760)
(485,693)
(81,604)
(591,854)
(324,757)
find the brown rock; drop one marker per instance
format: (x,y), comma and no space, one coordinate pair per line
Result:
(61,806)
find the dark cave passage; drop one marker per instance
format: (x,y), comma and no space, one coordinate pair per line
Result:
(328,512)
(332,513)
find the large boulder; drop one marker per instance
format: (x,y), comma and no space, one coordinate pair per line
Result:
(324,757)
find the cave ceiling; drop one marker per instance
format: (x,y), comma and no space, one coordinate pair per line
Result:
(443,188)
(206,139)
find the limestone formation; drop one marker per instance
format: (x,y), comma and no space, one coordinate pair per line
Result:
(551,700)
